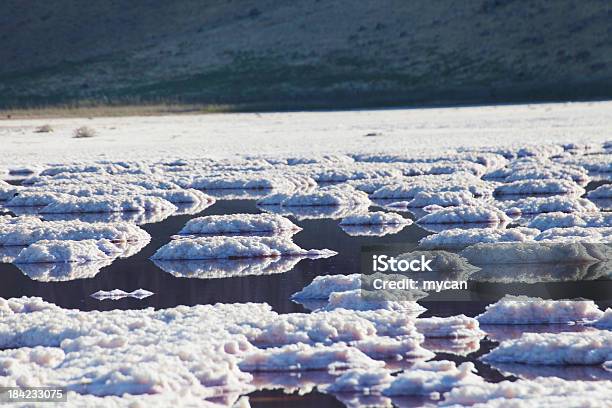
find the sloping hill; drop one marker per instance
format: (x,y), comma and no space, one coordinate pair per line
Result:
(303,53)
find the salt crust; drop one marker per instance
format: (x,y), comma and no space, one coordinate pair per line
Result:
(335,195)
(466,214)
(457,238)
(541,392)
(530,310)
(239,223)
(68,251)
(564,220)
(584,348)
(604,191)
(375,218)
(534,252)
(536,187)
(223,247)
(27,230)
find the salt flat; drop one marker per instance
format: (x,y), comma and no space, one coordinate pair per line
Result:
(223,135)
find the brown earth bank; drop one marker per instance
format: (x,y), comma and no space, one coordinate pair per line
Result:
(223,55)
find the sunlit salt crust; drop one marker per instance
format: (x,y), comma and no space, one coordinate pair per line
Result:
(27,230)
(375,218)
(336,195)
(529,310)
(534,252)
(239,223)
(604,321)
(453,327)
(298,357)
(593,163)
(107,204)
(68,251)
(324,285)
(540,392)
(223,247)
(537,187)
(379,230)
(409,188)
(466,215)
(457,238)
(538,169)
(576,234)
(433,378)
(443,199)
(542,272)
(537,205)
(564,220)
(355,300)
(35,198)
(604,191)
(360,380)
(315,212)
(584,348)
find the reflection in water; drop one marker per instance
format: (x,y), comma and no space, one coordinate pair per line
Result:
(534,273)
(138,218)
(226,268)
(292,382)
(502,332)
(65,271)
(372,230)
(580,373)
(315,212)
(460,346)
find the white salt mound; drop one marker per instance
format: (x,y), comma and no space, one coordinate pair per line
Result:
(239,223)
(569,348)
(222,247)
(604,191)
(458,237)
(529,310)
(68,251)
(465,215)
(324,285)
(376,218)
(564,220)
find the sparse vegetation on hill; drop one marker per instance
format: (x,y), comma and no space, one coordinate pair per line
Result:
(287,54)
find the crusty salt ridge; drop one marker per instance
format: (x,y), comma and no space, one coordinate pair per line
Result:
(298,357)
(336,195)
(371,381)
(354,300)
(593,163)
(376,218)
(68,251)
(443,199)
(604,321)
(35,199)
(533,252)
(564,220)
(457,238)
(381,348)
(542,272)
(604,191)
(433,378)
(379,230)
(570,373)
(535,187)
(108,204)
(8,191)
(324,285)
(576,234)
(537,205)
(407,189)
(453,327)
(220,247)
(443,264)
(530,310)
(228,268)
(461,346)
(585,348)
(540,392)
(239,223)
(315,212)
(466,214)
(27,230)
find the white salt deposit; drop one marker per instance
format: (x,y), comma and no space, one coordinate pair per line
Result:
(529,310)
(576,234)
(116,294)
(379,230)
(324,285)
(449,327)
(537,205)
(457,238)
(298,357)
(382,348)
(533,252)
(336,195)
(604,191)
(433,378)
(108,204)
(604,321)
(539,187)
(585,348)
(354,300)
(375,218)
(358,380)
(239,223)
(220,247)
(68,251)
(27,230)
(540,392)
(62,272)
(466,214)
(443,199)
(564,220)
